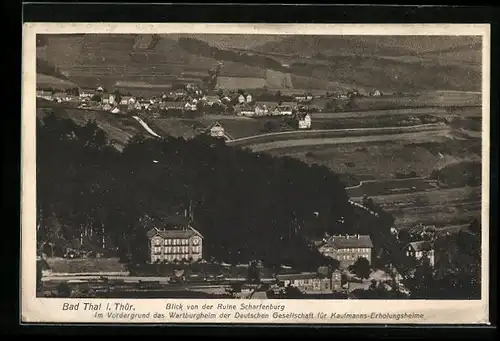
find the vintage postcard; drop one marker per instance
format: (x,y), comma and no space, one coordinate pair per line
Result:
(255,173)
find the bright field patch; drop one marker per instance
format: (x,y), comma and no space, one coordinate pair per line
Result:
(240,83)
(43,81)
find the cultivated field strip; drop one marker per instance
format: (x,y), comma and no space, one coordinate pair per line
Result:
(285,144)
(330,133)
(439,111)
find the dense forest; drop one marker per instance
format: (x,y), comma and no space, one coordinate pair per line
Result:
(248,206)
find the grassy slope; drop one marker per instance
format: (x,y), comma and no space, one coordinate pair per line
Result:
(377,45)
(390,63)
(118,128)
(49,81)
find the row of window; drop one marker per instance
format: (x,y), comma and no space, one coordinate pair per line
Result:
(350,250)
(348,256)
(176,249)
(159,242)
(170,258)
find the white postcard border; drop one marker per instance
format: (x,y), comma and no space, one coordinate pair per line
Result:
(49,310)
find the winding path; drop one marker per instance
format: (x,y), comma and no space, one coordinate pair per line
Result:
(145,126)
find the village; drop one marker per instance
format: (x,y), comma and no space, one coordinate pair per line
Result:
(177,245)
(191,100)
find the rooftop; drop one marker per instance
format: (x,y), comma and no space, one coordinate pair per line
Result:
(178,234)
(420,246)
(349,241)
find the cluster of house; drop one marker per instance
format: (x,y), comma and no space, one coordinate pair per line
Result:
(190,98)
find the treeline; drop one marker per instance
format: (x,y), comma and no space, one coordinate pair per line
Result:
(248,206)
(46,68)
(459,174)
(202,48)
(457,273)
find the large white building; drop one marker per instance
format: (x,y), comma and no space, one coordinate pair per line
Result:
(177,240)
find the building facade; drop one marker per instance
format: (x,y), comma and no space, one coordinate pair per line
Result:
(304,121)
(419,250)
(177,241)
(347,249)
(311,282)
(217,130)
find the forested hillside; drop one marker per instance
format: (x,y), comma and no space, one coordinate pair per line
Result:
(247,206)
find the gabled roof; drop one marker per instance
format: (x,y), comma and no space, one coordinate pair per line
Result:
(267,104)
(345,242)
(215,124)
(420,246)
(181,234)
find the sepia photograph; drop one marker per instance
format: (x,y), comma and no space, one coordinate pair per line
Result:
(268,166)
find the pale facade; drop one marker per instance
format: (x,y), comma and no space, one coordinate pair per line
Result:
(305,122)
(170,245)
(419,250)
(311,282)
(348,249)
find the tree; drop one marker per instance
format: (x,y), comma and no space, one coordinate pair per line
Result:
(361,268)
(63,290)
(475,227)
(253,273)
(97,193)
(118,96)
(292,292)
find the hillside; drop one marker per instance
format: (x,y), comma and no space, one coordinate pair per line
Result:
(84,183)
(391,64)
(99,59)
(366,45)
(397,63)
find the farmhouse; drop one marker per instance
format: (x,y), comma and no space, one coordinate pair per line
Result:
(265,108)
(304,120)
(216,130)
(347,249)
(420,250)
(44,94)
(311,282)
(303,98)
(285,108)
(87,93)
(244,110)
(176,241)
(173,105)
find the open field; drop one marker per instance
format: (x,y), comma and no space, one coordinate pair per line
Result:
(381,187)
(240,83)
(422,99)
(383,160)
(464,111)
(63,265)
(418,136)
(175,127)
(438,207)
(311,137)
(119,128)
(46,81)
(372,122)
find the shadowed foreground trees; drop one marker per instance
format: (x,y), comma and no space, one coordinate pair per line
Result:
(248,206)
